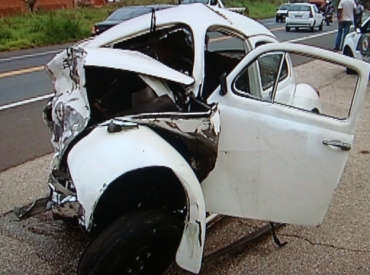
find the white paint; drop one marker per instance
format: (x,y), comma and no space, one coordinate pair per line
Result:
(351,40)
(70,106)
(278,168)
(312,36)
(24,102)
(28,56)
(145,149)
(133,61)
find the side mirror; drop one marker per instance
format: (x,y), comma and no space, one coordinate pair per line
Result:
(223,84)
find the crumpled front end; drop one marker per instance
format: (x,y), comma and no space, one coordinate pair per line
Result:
(116,113)
(68,112)
(67,115)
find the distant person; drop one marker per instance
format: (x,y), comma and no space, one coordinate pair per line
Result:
(358,14)
(329,11)
(346,12)
(329,6)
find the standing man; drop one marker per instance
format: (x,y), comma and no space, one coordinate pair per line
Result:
(346,11)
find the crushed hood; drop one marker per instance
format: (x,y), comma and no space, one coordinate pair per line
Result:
(133,61)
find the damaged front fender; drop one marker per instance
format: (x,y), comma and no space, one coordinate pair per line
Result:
(101,157)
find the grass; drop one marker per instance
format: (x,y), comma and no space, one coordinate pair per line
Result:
(257,9)
(55,27)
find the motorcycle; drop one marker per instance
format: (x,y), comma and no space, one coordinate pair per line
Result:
(328,14)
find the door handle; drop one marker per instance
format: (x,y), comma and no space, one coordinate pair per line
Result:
(336,143)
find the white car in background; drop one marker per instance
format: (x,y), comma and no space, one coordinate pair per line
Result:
(304,15)
(356,43)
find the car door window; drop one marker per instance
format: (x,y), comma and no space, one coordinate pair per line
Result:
(294,156)
(257,80)
(299,81)
(269,66)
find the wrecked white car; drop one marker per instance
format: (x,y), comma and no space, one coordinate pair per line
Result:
(167,117)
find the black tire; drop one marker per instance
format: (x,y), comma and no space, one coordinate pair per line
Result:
(277,20)
(321,27)
(312,29)
(347,52)
(139,243)
(287,29)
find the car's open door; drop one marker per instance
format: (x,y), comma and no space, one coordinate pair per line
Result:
(282,152)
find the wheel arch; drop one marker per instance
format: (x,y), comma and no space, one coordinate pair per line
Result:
(143,188)
(307,98)
(102,159)
(347,51)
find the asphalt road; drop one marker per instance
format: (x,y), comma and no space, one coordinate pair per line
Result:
(43,246)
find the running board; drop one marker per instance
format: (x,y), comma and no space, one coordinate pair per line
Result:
(244,241)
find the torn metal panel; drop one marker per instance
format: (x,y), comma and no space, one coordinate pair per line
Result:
(145,148)
(203,126)
(38,207)
(68,112)
(134,62)
(195,135)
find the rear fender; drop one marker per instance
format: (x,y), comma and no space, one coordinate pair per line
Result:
(101,157)
(307,98)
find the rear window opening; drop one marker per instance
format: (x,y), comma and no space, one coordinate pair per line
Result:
(224,50)
(173,46)
(113,92)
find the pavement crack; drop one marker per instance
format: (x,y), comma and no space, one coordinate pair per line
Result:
(325,244)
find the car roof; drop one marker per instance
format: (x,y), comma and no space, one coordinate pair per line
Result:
(202,17)
(284,7)
(129,12)
(302,4)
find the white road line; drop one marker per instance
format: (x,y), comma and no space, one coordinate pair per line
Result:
(28,55)
(24,102)
(35,99)
(312,36)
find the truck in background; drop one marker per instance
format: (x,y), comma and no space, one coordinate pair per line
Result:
(321,4)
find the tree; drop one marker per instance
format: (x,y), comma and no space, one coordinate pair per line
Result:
(30,4)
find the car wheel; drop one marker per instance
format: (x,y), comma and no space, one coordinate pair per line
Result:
(139,243)
(277,20)
(321,27)
(312,29)
(348,52)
